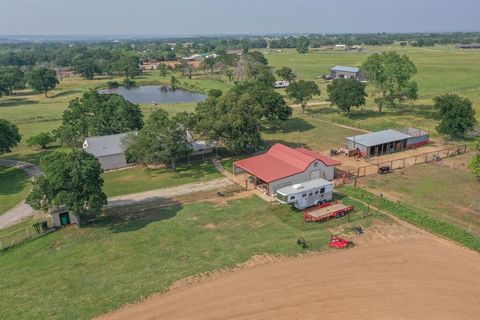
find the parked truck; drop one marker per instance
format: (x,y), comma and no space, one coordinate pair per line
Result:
(307,194)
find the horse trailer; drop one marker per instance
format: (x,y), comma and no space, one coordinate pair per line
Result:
(306,194)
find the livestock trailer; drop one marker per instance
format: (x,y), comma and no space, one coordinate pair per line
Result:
(306,194)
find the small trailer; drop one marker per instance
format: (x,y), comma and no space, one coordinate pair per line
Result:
(326,211)
(281,84)
(307,194)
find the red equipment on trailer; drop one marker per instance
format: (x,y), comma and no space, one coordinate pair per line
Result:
(339,243)
(326,211)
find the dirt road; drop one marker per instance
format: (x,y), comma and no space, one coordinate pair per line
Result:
(398,274)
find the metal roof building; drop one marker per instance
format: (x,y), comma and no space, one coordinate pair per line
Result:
(109,150)
(387,141)
(344,72)
(283,166)
(346,69)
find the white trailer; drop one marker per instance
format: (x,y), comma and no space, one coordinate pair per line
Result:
(307,194)
(281,84)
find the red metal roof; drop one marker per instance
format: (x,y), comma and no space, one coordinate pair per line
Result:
(281,161)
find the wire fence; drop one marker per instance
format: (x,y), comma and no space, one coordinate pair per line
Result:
(395,164)
(24,234)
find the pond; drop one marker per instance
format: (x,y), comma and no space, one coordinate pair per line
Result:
(156,94)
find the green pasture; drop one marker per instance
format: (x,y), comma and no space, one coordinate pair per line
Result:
(82,273)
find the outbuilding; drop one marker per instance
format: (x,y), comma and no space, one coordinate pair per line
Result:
(283,166)
(109,150)
(387,141)
(343,72)
(62,217)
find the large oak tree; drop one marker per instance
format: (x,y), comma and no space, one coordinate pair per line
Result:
(96,114)
(9,136)
(391,74)
(71,179)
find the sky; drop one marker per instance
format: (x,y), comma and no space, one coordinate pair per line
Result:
(194,17)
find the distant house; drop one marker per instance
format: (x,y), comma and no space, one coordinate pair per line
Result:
(468,46)
(283,166)
(109,150)
(150,65)
(340,46)
(343,72)
(195,57)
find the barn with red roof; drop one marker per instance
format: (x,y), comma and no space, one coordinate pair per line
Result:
(283,166)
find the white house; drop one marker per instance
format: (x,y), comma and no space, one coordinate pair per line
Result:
(110,150)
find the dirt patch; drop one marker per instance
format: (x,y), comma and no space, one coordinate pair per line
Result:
(394,272)
(211,226)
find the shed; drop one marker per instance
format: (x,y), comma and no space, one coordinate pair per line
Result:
(62,217)
(109,150)
(387,141)
(283,166)
(344,72)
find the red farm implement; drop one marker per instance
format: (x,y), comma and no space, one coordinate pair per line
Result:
(326,211)
(339,243)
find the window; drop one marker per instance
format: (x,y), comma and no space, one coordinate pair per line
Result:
(316,191)
(322,190)
(292,197)
(310,194)
(304,195)
(315,164)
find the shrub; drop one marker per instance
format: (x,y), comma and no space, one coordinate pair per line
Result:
(41,140)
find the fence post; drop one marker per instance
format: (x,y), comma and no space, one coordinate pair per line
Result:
(26,229)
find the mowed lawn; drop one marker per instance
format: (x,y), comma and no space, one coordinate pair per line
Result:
(14,187)
(434,189)
(82,273)
(306,131)
(138,179)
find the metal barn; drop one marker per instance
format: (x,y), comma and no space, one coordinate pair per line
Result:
(387,141)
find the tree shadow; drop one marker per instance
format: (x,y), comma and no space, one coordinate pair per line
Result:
(137,215)
(291,144)
(32,157)
(13,182)
(16,102)
(321,110)
(287,126)
(66,93)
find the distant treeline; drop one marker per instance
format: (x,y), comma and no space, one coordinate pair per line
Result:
(63,54)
